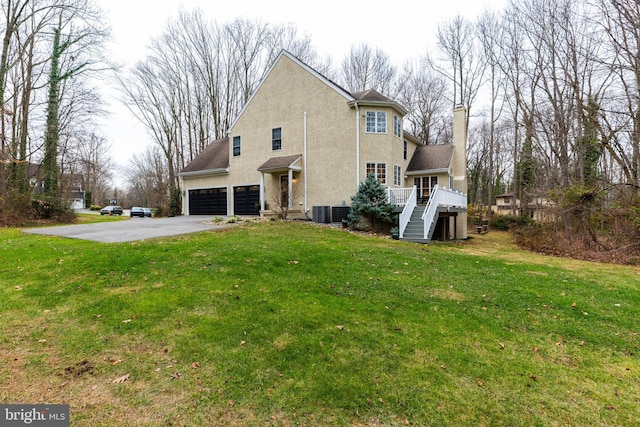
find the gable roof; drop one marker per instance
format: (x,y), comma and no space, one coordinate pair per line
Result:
(322,78)
(431,158)
(213,159)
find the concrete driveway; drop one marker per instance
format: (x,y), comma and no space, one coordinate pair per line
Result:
(131,229)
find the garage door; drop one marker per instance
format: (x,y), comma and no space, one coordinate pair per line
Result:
(208,201)
(246,200)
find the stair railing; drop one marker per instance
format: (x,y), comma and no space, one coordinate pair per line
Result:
(405,216)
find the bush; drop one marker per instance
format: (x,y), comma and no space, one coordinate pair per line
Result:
(45,207)
(175,201)
(95,208)
(507,222)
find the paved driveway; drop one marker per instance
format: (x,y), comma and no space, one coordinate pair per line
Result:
(131,229)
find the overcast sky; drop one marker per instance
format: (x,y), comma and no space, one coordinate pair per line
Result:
(404,29)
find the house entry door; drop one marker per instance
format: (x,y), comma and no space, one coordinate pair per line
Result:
(424,185)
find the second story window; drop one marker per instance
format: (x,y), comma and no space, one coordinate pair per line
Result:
(405,150)
(236,146)
(376,122)
(276,139)
(397,126)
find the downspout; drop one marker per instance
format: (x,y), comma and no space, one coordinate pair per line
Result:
(304,162)
(261,191)
(357,144)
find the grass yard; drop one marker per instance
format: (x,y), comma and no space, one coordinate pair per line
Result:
(287,324)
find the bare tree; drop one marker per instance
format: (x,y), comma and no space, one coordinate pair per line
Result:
(424,95)
(365,68)
(464,66)
(78,35)
(146,175)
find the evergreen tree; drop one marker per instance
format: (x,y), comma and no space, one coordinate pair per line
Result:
(370,202)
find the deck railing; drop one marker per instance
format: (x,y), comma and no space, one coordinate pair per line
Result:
(439,197)
(400,196)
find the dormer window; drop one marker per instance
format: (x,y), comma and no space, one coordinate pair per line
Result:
(376,122)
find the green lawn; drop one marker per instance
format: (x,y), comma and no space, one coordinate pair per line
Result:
(277,323)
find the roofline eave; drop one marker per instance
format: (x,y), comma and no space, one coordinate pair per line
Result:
(364,103)
(205,172)
(428,171)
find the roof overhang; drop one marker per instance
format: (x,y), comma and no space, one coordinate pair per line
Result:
(281,164)
(203,173)
(429,172)
(371,103)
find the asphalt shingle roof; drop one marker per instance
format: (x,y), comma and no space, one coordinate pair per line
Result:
(214,156)
(431,157)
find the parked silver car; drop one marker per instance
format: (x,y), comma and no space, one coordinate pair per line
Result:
(111,210)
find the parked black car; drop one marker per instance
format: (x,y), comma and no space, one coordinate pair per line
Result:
(111,210)
(137,211)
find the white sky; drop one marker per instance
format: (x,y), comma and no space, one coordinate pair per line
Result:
(403,29)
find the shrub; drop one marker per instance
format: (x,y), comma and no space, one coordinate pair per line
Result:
(507,222)
(45,207)
(175,201)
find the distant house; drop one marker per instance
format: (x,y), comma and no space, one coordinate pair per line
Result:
(71,185)
(539,207)
(304,143)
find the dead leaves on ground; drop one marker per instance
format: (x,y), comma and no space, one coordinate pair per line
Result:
(121,379)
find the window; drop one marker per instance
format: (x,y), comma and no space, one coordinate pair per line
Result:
(376,122)
(276,139)
(236,146)
(406,150)
(397,126)
(379,170)
(397,175)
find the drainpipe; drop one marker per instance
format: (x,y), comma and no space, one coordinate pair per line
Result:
(261,191)
(304,162)
(357,145)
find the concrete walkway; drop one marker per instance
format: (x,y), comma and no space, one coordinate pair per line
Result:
(131,229)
